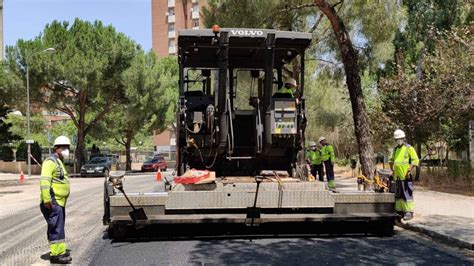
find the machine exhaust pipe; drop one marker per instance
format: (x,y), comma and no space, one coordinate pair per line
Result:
(222,90)
(267,87)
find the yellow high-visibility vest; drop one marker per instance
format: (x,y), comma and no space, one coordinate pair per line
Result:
(314,156)
(402,157)
(328,153)
(54,182)
(285,90)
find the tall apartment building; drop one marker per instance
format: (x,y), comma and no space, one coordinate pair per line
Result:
(169,16)
(1,29)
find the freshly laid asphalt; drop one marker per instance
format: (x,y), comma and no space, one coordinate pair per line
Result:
(23,234)
(404,248)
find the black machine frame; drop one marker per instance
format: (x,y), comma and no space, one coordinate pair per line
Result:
(227,51)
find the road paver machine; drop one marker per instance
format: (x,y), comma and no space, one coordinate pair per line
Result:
(233,121)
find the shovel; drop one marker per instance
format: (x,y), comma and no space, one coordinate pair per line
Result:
(136,214)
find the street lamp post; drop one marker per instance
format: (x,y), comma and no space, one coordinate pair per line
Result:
(29,141)
(48,126)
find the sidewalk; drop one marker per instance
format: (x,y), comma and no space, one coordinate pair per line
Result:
(445,217)
(448,218)
(13,177)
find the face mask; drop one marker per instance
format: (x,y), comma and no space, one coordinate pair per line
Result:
(65,153)
(400,141)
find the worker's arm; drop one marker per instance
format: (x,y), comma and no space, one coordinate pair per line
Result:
(308,157)
(391,160)
(47,171)
(415,161)
(331,153)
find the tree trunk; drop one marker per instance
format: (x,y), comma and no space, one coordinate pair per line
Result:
(351,68)
(81,131)
(418,149)
(446,156)
(128,143)
(79,154)
(418,169)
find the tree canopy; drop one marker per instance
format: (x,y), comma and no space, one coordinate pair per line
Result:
(425,89)
(150,90)
(83,78)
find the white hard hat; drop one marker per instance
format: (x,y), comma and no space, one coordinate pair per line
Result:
(398,134)
(321,139)
(312,144)
(292,82)
(62,141)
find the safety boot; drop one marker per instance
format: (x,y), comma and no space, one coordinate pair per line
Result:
(60,259)
(408,216)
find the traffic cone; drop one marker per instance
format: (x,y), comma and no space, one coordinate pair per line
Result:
(22,177)
(158,175)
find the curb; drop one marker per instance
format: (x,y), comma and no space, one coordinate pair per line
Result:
(130,173)
(445,239)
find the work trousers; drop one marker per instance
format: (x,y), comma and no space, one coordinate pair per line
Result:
(55,218)
(404,196)
(329,167)
(317,169)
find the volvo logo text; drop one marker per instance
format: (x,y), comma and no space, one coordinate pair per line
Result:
(247,32)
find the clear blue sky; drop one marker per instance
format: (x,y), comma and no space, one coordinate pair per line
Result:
(25,19)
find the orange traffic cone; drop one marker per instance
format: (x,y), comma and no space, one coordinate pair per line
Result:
(158,175)
(22,177)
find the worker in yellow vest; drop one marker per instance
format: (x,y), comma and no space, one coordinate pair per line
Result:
(315,159)
(54,185)
(288,90)
(328,157)
(402,162)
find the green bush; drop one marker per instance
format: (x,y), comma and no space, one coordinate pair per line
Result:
(459,169)
(342,162)
(22,152)
(6,154)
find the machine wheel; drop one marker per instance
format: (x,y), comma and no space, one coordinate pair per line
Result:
(110,232)
(294,173)
(302,172)
(118,232)
(301,169)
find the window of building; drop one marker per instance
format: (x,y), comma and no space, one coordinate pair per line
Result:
(171,43)
(195,23)
(171,27)
(171,11)
(195,7)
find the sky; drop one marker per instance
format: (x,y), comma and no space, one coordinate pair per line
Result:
(25,19)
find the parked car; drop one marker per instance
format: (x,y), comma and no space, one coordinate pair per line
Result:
(154,164)
(99,166)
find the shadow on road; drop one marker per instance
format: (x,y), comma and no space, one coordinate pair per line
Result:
(241,231)
(45,256)
(282,245)
(10,192)
(310,251)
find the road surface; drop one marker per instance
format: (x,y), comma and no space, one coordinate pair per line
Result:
(23,235)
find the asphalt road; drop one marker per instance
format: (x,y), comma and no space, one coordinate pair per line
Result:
(404,248)
(23,238)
